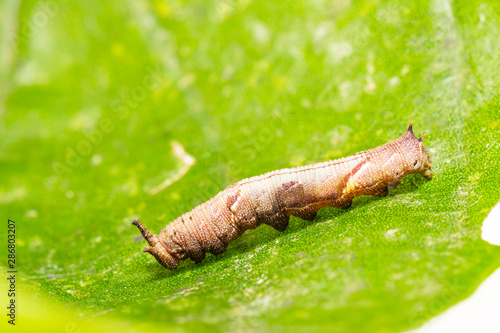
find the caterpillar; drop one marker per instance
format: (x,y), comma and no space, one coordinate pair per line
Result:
(273,197)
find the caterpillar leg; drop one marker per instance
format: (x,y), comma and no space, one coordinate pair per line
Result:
(306,213)
(344,205)
(156,248)
(382,192)
(278,221)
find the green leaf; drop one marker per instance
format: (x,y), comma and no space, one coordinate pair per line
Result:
(92,95)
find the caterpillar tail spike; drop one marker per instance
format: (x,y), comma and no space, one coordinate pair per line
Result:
(144,231)
(156,247)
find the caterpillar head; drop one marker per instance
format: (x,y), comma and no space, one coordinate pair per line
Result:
(416,156)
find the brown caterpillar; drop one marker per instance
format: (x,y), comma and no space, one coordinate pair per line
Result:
(271,199)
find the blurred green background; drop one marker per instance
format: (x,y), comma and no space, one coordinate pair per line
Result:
(93,93)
